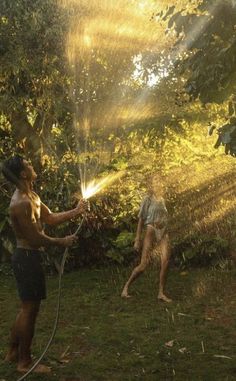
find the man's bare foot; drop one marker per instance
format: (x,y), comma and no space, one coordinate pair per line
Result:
(162,297)
(40,368)
(12,356)
(125,294)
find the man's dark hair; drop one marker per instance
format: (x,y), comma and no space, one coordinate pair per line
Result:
(12,168)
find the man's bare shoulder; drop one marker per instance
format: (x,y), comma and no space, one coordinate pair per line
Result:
(20,202)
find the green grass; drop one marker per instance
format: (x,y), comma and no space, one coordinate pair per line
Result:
(107,338)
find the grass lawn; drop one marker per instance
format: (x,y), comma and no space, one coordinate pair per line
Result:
(102,337)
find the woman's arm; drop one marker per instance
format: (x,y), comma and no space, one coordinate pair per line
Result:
(138,238)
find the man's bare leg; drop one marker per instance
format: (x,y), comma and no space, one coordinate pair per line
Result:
(138,270)
(13,352)
(24,330)
(165,256)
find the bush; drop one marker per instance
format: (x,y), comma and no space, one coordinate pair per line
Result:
(201,251)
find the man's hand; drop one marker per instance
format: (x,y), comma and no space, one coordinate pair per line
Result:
(69,240)
(137,244)
(82,206)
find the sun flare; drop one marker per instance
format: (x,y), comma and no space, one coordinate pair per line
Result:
(96,186)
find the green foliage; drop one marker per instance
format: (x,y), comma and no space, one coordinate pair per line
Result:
(91,116)
(122,247)
(205,57)
(208,37)
(34,77)
(201,250)
(200,198)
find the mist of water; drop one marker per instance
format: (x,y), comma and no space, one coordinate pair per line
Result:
(105,45)
(103,40)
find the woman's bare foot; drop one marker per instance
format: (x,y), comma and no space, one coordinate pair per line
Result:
(125,294)
(162,297)
(40,368)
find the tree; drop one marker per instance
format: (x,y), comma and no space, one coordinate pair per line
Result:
(205,55)
(34,73)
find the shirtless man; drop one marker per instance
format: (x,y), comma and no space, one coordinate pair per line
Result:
(153,217)
(28,213)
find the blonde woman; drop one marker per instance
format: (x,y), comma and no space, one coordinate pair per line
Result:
(153,218)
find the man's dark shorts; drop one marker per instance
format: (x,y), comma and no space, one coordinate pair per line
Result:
(29,274)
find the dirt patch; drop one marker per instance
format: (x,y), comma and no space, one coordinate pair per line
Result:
(218,317)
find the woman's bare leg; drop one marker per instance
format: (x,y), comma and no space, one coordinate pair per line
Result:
(165,257)
(145,258)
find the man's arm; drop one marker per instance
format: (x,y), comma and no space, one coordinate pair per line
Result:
(51,218)
(30,229)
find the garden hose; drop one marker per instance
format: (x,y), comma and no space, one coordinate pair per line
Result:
(63,261)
